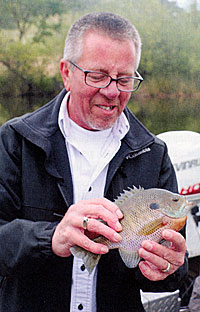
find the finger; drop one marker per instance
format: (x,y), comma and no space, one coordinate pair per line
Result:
(151,272)
(103,203)
(102,229)
(178,241)
(112,207)
(164,253)
(64,239)
(96,226)
(84,242)
(158,262)
(100,212)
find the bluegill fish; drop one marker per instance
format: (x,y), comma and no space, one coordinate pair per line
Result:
(146,213)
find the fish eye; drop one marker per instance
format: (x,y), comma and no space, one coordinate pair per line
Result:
(175,199)
(154,206)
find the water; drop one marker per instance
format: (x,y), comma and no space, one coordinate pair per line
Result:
(157,115)
(167,115)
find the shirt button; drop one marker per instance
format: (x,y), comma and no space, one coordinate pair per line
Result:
(83,267)
(80,307)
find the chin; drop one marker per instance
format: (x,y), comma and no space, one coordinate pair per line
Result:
(101,125)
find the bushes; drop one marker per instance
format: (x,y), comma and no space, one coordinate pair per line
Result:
(170,60)
(24,69)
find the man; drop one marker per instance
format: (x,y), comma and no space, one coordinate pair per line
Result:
(61,168)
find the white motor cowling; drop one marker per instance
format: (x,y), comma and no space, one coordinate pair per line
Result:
(184,151)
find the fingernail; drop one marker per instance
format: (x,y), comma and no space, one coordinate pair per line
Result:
(143,266)
(119,213)
(167,235)
(104,249)
(118,226)
(117,237)
(147,245)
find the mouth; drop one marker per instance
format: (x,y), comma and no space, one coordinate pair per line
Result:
(106,108)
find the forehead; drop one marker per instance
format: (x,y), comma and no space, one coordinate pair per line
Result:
(99,50)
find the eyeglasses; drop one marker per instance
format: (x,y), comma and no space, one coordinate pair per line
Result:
(102,80)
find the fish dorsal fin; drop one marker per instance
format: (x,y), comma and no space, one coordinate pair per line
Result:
(131,258)
(127,194)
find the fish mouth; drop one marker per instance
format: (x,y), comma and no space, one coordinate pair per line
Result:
(181,212)
(187,207)
(189,204)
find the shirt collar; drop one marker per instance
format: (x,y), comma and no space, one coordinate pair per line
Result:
(119,129)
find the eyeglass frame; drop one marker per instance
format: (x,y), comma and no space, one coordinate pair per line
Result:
(139,78)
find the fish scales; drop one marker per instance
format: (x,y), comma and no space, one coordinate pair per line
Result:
(146,213)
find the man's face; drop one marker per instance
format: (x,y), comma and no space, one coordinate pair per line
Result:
(89,107)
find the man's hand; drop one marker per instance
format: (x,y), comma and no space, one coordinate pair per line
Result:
(158,257)
(70,231)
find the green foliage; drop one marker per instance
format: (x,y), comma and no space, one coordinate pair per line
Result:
(26,65)
(170,37)
(25,13)
(32,37)
(25,51)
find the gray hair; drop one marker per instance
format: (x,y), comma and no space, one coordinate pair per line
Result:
(112,25)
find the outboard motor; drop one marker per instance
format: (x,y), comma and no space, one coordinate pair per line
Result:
(184,151)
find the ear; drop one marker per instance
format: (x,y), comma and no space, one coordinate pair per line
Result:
(64,70)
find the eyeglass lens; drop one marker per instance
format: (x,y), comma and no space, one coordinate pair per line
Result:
(100,80)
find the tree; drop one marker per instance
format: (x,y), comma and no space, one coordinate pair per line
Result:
(23,14)
(24,56)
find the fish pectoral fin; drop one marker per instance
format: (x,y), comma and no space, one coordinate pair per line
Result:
(90,259)
(151,227)
(131,258)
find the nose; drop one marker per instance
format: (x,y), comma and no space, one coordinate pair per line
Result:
(111,91)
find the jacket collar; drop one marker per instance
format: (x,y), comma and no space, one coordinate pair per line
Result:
(41,128)
(138,136)
(41,125)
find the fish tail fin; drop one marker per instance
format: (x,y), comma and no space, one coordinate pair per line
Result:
(90,259)
(130,258)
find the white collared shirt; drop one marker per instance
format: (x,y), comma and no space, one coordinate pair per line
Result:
(89,155)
